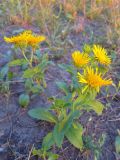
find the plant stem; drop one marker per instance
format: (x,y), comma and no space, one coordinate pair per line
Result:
(23,52)
(31,59)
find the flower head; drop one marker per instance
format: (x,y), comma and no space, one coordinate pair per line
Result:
(34,40)
(101,55)
(93,79)
(20,39)
(80,59)
(26,38)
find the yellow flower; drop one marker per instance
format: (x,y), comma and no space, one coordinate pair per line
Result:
(19,39)
(34,40)
(101,55)
(25,38)
(80,59)
(93,79)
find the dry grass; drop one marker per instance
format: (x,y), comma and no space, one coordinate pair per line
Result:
(47,14)
(107,8)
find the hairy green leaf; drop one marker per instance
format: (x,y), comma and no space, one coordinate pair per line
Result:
(62,127)
(48,141)
(63,87)
(42,114)
(96,106)
(52,156)
(18,62)
(30,73)
(74,135)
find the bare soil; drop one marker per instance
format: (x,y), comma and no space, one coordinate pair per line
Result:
(19,132)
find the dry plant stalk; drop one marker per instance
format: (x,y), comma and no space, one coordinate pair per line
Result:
(115,13)
(70,8)
(45,14)
(73,6)
(111,6)
(79,24)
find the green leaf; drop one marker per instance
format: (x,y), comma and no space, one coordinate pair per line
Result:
(43,62)
(74,135)
(59,103)
(88,102)
(42,114)
(37,152)
(36,89)
(87,48)
(113,55)
(30,73)
(52,156)
(38,53)
(18,62)
(48,141)
(117,144)
(80,100)
(10,75)
(96,106)
(83,99)
(103,69)
(63,87)
(67,68)
(24,100)
(4,71)
(58,133)
(62,127)
(28,84)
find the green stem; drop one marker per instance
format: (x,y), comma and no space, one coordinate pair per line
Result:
(31,59)
(23,52)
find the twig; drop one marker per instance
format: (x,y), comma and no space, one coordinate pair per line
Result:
(113,95)
(19,158)
(30,152)
(113,120)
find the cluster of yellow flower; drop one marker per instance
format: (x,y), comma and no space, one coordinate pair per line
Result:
(26,38)
(93,78)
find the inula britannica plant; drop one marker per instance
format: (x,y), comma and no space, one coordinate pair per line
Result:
(60,79)
(31,61)
(88,72)
(24,40)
